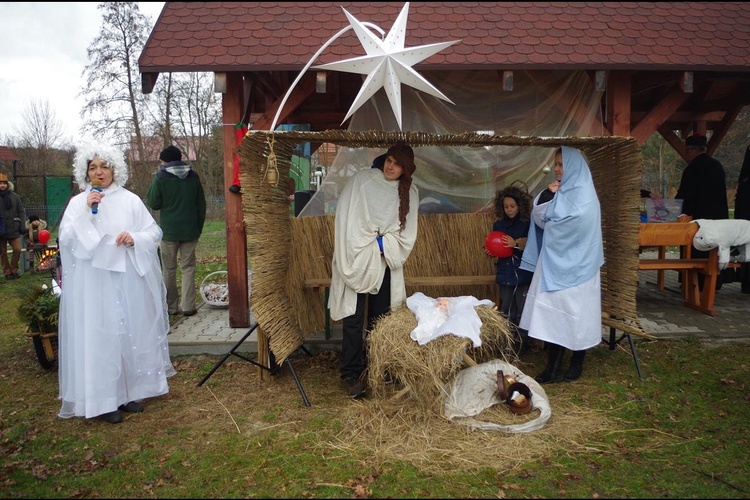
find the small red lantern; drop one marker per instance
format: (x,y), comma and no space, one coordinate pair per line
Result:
(44,236)
(496,246)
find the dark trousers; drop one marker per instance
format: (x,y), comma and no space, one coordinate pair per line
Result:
(353,355)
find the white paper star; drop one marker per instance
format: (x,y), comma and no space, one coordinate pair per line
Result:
(388,64)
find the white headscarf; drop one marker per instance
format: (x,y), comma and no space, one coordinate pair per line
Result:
(115,161)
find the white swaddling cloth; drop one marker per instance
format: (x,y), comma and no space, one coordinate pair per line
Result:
(446,315)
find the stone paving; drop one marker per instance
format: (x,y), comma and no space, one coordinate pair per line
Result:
(661,313)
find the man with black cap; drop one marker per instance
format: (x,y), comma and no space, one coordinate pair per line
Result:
(177,192)
(703,188)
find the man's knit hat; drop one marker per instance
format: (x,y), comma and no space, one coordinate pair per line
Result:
(3,177)
(171,153)
(696,140)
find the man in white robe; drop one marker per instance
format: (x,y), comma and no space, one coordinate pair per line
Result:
(375,231)
(113,325)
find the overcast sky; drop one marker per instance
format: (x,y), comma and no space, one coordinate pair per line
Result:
(42,56)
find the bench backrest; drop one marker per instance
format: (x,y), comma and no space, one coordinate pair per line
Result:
(668,234)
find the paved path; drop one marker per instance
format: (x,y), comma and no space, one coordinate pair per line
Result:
(661,313)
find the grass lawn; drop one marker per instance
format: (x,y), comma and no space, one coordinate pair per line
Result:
(681,432)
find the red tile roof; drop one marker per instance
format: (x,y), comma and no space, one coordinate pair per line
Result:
(7,154)
(264,36)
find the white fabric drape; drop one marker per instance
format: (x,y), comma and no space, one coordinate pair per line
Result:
(459,179)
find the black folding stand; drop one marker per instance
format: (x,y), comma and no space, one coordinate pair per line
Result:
(613,345)
(273,369)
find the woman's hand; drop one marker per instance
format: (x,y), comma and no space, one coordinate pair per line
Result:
(94,196)
(554,186)
(124,238)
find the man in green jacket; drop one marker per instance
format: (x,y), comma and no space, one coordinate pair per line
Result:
(177,192)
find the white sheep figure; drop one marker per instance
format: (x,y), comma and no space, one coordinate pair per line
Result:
(724,233)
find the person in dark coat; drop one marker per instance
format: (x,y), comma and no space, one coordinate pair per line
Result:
(14,214)
(513,209)
(703,189)
(742,211)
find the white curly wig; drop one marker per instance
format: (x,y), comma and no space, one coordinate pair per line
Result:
(113,156)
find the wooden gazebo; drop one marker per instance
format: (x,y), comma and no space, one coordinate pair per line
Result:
(663,67)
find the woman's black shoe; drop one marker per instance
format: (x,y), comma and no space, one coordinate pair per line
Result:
(132,407)
(576,366)
(553,371)
(113,417)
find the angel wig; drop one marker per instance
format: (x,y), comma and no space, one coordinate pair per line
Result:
(113,156)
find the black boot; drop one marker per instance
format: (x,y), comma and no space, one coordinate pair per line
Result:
(521,344)
(576,366)
(553,372)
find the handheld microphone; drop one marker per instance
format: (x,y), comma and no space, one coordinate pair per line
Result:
(96,184)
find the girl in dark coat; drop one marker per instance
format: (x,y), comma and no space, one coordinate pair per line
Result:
(512,209)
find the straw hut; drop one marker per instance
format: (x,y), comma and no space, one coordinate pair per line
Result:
(293,251)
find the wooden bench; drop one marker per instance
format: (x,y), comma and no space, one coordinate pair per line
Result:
(488,279)
(680,234)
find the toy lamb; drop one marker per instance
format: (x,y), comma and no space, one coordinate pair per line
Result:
(724,233)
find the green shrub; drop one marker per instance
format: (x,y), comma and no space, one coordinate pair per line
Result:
(40,309)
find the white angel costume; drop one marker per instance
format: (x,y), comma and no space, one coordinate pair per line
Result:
(563,305)
(368,207)
(460,318)
(113,312)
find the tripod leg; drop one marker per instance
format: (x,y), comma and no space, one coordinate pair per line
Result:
(635,357)
(296,381)
(226,356)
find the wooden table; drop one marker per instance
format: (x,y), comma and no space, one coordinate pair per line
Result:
(680,234)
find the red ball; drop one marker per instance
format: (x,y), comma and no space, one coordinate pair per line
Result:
(495,246)
(44,236)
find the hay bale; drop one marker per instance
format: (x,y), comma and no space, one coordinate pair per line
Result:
(425,370)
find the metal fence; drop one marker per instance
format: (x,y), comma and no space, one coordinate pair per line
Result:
(53,213)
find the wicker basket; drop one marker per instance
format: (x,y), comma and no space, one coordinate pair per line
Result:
(215,290)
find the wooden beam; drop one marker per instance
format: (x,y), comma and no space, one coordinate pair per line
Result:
(684,116)
(507,80)
(618,103)
(600,81)
(566,104)
(721,131)
(231,106)
(304,89)
(661,113)
(148,80)
(673,140)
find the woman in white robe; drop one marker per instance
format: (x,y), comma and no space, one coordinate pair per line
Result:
(375,231)
(565,251)
(113,349)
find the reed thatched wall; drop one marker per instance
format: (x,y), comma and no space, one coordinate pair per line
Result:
(284,251)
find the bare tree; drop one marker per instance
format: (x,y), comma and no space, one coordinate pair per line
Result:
(185,112)
(40,128)
(113,100)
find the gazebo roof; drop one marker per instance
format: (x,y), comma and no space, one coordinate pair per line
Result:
(263,36)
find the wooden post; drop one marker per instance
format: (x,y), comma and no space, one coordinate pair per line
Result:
(231,105)
(618,103)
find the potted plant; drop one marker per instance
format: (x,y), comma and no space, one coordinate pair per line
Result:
(40,310)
